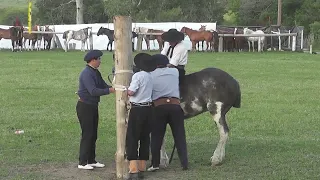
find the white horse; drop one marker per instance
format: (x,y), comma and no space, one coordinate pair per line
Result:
(80,35)
(253,39)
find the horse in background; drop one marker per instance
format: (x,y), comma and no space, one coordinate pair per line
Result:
(239,42)
(109,33)
(30,37)
(253,39)
(202,28)
(47,38)
(147,38)
(80,35)
(13,33)
(215,40)
(196,36)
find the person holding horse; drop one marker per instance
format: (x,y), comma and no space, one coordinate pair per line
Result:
(167,110)
(176,52)
(140,116)
(91,87)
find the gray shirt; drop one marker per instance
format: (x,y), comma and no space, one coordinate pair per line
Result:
(141,84)
(165,83)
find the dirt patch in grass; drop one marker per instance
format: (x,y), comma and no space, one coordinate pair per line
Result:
(69,171)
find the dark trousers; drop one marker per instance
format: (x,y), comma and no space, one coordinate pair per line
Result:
(138,130)
(88,117)
(182,73)
(172,114)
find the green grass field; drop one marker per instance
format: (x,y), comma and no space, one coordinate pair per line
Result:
(274,135)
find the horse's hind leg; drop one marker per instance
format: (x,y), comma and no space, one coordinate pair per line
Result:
(218,112)
(164,159)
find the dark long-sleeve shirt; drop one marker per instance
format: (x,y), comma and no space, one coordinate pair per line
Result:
(92,86)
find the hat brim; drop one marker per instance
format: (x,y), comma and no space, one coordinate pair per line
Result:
(174,36)
(144,62)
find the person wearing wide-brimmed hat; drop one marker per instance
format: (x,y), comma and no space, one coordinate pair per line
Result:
(176,52)
(167,110)
(91,87)
(140,116)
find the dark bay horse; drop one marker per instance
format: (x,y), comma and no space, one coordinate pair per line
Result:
(196,36)
(110,34)
(47,38)
(13,33)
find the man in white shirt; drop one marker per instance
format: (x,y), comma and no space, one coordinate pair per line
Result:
(140,116)
(176,52)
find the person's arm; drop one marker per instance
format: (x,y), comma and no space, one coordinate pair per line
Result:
(89,83)
(134,85)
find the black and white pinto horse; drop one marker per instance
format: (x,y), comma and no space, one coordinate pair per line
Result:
(212,90)
(110,34)
(80,35)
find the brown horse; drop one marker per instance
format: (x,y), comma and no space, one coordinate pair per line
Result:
(30,37)
(196,36)
(13,33)
(228,42)
(202,28)
(154,37)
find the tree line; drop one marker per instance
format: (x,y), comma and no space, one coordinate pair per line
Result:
(225,12)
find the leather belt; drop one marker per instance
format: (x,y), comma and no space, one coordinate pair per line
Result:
(166,100)
(180,66)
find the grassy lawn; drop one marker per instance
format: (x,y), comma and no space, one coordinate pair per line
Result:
(274,135)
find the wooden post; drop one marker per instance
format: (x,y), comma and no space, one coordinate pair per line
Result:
(123,66)
(301,46)
(294,43)
(289,40)
(220,49)
(139,42)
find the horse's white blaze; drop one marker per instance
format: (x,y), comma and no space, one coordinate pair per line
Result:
(219,153)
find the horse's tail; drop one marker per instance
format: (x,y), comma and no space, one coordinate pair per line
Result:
(237,103)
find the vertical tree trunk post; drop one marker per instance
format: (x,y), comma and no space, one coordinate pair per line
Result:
(123,67)
(294,43)
(139,42)
(79,5)
(220,49)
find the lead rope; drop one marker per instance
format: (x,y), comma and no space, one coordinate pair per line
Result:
(120,87)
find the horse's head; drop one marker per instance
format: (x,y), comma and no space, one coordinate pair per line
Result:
(183,29)
(100,31)
(203,27)
(247,30)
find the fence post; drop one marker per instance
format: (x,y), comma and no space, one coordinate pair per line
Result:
(139,42)
(259,44)
(220,49)
(289,40)
(123,68)
(301,40)
(294,43)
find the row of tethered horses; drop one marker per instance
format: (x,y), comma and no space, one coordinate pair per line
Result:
(19,37)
